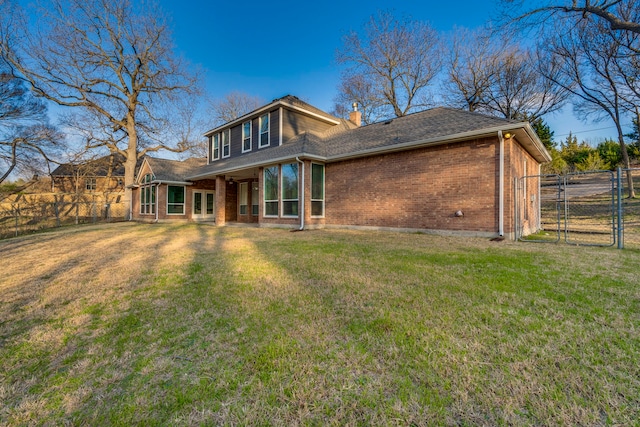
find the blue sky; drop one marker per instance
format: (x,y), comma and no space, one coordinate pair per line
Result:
(271,49)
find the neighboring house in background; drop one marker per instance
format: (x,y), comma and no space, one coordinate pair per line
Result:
(291,164)
(105,174)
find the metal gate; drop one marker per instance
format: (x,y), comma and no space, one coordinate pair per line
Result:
(579,208)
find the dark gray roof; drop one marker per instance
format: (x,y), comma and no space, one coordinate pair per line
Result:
(173,170)
(286,101)
(343,141)
(96,167)
(434,124)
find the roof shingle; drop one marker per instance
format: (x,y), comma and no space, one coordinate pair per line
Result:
(345,139)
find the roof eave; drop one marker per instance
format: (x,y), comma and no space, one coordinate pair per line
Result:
(528,137)
(268,107)
(304,156)
(524,130)
(168,182)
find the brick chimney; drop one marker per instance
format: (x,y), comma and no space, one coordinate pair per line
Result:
(355,116)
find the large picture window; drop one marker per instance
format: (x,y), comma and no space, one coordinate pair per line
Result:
(243,188)
(317,190)
(264,130)
(226,143)
(175,200)
(215,147)
(271,191)
(290,189)
(246,136)
(147,196)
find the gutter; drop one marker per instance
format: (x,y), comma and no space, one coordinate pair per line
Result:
(520,129)
(257,164)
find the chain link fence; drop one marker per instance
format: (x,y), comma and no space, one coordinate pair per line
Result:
(588,208)
(630,209)
(27,213)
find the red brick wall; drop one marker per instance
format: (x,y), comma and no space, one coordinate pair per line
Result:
(231,201)
(528,203)
(419,189)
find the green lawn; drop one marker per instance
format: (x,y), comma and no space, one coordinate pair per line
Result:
(130,324)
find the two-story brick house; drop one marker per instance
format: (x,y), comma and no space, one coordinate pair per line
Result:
(291,164)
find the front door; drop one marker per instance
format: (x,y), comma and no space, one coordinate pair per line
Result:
(204,205)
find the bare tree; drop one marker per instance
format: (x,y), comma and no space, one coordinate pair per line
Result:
(518,89)
(593,59)
(361,89)
(235,104)
(470,68)
(114,60)
(488,74)
(232,106)
(617,14)
(27,140)
(390,65)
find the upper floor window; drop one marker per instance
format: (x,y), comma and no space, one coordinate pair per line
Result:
(246,136)
(226,143)
(264,130)
(215,147)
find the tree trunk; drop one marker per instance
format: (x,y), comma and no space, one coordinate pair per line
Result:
(130,170)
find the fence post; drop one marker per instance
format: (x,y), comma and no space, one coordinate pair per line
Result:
(17,212)
(56,209)
(620,212)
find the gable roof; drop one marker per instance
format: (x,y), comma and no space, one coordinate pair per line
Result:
(289,101)
(431,127)
(172,171)
(96,167)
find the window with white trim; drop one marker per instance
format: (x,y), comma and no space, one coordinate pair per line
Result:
(271,191)
(215,147)
(290,190)
(147,196)
(317,190)
(254,198)
(246,136)
(175,199)
(264,130)
(226,143)
(243,189)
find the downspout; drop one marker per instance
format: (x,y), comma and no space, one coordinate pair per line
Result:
(302,194)
(501,187)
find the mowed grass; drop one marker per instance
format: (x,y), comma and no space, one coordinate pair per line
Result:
(131,324)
